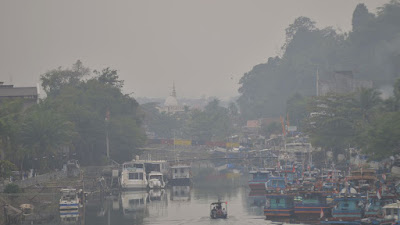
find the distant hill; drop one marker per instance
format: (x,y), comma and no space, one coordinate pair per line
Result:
(371,51)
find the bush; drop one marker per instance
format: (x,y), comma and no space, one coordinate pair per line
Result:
(12,188)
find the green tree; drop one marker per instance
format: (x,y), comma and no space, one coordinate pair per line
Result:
(333,122)
(383,136)
(5,168)
(361,17)
(296,109)
(233,109)
(11,115)
(54,80)
(109,76)
(371,50)
(272,128)
(211,124)
(368,101)
(43,133)
(85,103)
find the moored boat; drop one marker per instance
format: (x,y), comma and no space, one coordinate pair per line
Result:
(348,209)
(69,199)
(133,176)
(275,184)
(259,177)
(279,205)
(156,180)
(311,205)
(180,175)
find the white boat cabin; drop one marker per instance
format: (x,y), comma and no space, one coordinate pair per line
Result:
(133,176)
(181,171)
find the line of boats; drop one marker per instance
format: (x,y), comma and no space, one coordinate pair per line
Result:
(133,175)
(151,174)
(327,197)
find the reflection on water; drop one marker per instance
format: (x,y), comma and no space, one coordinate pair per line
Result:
(180,193)
(176,205)
(70,217)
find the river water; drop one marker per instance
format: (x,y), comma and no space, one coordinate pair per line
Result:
(176,205)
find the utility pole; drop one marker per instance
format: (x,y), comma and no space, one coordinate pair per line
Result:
(107,119)
(107,143)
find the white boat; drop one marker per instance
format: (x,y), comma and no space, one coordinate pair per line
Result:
(156,180)
(69,199)
(181,175)
(155,166)
(133,176)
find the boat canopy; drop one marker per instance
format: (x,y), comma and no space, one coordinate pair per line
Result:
(392,205)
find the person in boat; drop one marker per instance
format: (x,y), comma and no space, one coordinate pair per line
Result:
(223,211)
(214,210)
(219,210)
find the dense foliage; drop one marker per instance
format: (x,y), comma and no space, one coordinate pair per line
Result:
(215,122)
(361,120)
(72,121)
(371,50)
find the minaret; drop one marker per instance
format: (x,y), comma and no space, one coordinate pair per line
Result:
(173,90)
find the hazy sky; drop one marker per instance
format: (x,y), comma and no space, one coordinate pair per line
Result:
(205,46)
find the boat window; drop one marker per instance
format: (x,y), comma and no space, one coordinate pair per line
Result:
(182,170)
(135,176)
(134,201)
(138,165)
(176,170)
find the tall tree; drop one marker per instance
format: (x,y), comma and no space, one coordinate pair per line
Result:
(54,80)
(86,104)
(211,124)
(383,136)
(368,101)
(44,133)
(11,115)
(333,121)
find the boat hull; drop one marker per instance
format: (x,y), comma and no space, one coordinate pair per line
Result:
(133,186)
(69,205)
(278,212)
(257,186)
(311,211)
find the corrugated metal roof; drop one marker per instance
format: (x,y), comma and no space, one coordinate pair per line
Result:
(18,91)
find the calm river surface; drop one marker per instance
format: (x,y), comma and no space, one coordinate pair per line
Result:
(176,205)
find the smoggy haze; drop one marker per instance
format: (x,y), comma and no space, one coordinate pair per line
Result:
(204,46)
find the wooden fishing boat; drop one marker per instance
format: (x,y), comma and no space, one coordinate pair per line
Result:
(312,205)
(279,205)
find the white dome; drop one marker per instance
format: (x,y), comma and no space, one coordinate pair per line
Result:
(171,101)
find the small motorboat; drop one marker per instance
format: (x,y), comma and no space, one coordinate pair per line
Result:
(219,210)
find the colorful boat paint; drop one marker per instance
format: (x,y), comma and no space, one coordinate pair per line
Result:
(279,205)
(311,205)
(259,177)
